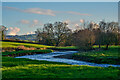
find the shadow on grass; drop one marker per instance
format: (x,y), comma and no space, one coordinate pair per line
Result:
(10,62)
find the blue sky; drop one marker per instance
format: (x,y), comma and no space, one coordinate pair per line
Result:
(60,0)
(25,17)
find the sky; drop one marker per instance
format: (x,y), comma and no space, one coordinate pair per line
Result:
(60,0)
(22,18)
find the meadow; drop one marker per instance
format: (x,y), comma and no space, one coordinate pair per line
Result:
(26,68)
(110,56)
(16,44)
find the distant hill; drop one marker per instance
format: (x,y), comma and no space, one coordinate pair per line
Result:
(30,37)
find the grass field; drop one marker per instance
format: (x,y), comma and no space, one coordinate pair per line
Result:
(110,56)
(26,51)
(16,44)
(26,68)
(110,46)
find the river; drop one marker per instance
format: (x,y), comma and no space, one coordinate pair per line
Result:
(50,57)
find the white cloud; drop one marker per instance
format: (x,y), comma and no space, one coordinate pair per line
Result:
(75,24)
(6,28)
(72,24)
(30,33)
(77,13)
(13,30)
(32,23)
(81,20)
(67,21)
(40,11)
(43,11)
(11,8)
(24,21)
(93,23)
(35,22)
(33,10)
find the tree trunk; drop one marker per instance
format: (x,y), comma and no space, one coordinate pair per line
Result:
(99,46)
(57,43)
(107,47)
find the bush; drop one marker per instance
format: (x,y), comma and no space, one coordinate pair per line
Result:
(26,48)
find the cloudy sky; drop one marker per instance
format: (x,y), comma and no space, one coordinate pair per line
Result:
(25,17)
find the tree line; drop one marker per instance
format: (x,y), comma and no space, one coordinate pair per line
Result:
(59,34)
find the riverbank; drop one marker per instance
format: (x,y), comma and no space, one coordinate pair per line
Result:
(25,52)
(50,57)
(109,56)
(27,68)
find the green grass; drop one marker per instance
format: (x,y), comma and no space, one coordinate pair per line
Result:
(16,44)
(26,51)
(26,68)
(110,56)
(67,47)
(110,46)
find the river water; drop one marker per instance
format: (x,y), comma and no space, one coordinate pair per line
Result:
(50,57)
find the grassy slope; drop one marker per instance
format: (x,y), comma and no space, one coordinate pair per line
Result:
(16,44)
(26,68)
(110,56)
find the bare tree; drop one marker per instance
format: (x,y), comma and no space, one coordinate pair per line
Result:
(61,32)
(84,39)
(109,33)
(54,34)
